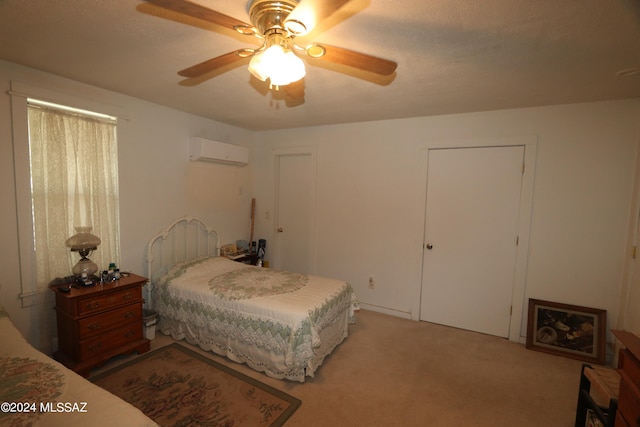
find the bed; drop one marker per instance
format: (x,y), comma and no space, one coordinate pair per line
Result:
(278,322)
(37,390)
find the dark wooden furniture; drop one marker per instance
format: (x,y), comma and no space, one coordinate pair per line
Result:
(628,414)
(96,323)
(597,395)
(248,258)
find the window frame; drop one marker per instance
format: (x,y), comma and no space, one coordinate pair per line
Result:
(29,294)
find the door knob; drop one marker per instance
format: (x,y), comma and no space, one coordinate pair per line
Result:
(429,246)
(280,230)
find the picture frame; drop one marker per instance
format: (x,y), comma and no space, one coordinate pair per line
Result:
(567,330)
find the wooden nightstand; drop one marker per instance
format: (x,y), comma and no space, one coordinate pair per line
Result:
(247,258)
(98,322)
(629,368)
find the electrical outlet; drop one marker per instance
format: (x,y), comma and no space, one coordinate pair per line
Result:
(372,282)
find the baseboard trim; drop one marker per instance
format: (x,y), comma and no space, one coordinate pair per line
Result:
(386,310)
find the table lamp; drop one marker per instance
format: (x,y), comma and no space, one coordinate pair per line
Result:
(84,243)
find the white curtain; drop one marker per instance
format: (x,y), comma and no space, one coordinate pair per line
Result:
(74,182)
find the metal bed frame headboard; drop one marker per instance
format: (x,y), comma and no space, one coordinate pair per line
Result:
(187,238)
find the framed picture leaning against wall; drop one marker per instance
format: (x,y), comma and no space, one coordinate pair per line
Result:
(567,330)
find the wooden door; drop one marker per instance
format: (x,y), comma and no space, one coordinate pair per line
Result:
(295,212)
(471,225)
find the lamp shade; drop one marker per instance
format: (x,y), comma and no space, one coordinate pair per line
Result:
(83,240)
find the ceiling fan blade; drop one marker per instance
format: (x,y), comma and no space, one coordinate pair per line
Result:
(361,61)
(308,13)
(197,11)
(214,63)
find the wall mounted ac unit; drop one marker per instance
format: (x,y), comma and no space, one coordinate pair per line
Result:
(205,150)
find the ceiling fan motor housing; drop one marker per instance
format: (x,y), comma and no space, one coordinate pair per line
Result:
(271,14)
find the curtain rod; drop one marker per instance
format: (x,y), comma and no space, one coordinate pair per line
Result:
(45,100)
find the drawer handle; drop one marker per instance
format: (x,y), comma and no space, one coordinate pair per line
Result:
(129,334)
(93,305)
(127,296)
(94,347)
(129,314)
(94,326)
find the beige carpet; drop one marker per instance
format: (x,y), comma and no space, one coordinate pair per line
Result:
(397,372)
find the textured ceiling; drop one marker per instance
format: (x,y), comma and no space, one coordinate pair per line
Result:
(453,56)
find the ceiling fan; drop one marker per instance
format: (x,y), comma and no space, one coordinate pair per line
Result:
(277,23)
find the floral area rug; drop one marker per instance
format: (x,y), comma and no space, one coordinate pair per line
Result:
(176,386)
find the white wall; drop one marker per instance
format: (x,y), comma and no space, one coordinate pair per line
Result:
(370,193)
(371,199)
(158,183)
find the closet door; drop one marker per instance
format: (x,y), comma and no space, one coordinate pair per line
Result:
(295,212)
(471,226)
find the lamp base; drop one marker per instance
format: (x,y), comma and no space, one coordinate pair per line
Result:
(85,266)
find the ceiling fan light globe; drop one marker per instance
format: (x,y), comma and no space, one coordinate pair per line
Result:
(261,63)
(279,66)
(256,72)
(290,70)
